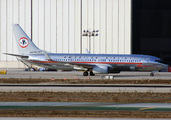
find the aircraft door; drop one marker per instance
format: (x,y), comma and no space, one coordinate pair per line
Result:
(147,64)
(148,61)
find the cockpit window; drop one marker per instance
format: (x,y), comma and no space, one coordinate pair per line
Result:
(160,61)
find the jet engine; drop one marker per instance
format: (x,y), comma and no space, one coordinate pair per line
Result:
(101,69)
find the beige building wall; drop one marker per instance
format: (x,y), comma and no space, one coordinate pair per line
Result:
(56,26)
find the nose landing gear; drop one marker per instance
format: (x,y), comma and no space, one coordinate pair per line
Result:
(151,74)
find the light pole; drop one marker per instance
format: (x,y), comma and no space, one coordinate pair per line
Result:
(90,33)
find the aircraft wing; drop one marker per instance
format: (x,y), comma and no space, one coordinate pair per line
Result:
(73,63)
(79,64)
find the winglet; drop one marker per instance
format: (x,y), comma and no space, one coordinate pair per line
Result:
(47,56)
(87,51)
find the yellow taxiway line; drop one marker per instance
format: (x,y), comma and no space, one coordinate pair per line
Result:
(146,108)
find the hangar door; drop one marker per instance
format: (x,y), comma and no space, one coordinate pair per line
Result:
(151,28)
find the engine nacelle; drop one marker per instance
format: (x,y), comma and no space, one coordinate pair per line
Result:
(101,69)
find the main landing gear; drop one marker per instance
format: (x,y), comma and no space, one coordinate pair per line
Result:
(91,73)
(86,73)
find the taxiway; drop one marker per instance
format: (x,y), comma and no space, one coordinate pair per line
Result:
(20,73)
(86,106)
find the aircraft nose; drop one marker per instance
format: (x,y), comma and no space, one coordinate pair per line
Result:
(164,65)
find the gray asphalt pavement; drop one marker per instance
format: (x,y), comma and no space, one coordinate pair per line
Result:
(20,73)
(86,89)
(50,118)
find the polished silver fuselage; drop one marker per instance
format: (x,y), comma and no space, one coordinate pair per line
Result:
(116,62)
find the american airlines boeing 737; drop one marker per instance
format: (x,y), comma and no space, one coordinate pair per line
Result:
(29,53)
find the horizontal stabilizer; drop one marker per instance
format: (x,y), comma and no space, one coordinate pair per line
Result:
(21,56)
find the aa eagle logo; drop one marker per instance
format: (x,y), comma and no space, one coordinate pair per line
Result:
(23,42)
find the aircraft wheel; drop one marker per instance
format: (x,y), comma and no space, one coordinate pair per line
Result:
(151,74)
(85,73)
(92,74)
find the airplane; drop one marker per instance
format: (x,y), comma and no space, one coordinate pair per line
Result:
(91,64)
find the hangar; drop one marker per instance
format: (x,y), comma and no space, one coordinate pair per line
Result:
(125,26)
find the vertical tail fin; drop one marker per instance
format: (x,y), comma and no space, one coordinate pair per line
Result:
(24,43)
